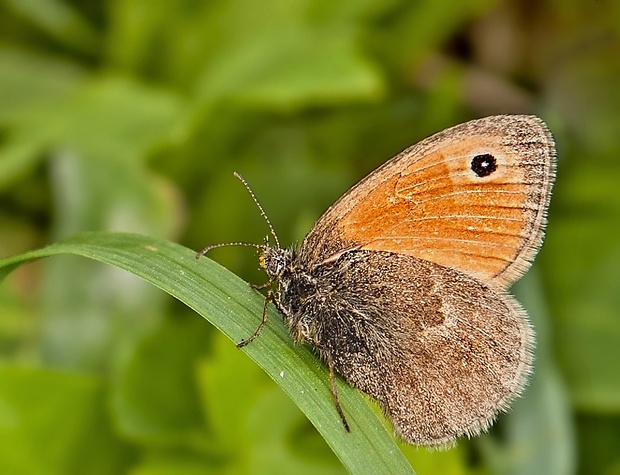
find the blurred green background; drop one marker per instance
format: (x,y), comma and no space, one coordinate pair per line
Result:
(131,115)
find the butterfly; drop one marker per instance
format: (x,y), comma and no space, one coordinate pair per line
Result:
(401,285)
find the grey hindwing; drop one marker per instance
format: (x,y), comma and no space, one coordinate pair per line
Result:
(441,351)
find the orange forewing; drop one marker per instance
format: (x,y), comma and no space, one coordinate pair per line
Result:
(435,209)
(427,201)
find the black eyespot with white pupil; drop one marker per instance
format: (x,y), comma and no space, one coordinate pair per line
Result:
(483,165)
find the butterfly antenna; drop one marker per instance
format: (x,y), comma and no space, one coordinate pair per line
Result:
(260,208)
(245,244)
(226,244)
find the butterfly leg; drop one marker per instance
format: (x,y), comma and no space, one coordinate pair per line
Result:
(261,286)
(332,381)
(270,297)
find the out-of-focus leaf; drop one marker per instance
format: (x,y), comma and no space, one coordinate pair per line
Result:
(24,91)
(155,397)
(25,97)
(115,118)
(587,298)
(290,69)
(582,253)
(60,21)
(598,450)
(56,424)
(285,61)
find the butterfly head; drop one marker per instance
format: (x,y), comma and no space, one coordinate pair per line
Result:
(274,260)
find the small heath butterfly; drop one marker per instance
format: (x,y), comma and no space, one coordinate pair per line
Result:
(401,286)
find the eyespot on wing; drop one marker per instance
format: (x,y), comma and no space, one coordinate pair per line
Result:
(473,197)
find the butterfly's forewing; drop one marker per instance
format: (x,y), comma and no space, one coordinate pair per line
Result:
(473,197)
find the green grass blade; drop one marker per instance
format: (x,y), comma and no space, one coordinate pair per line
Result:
(234,308)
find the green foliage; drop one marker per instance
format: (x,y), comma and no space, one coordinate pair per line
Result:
(125,115)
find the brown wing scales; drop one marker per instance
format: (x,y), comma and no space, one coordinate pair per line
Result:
(442,352)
